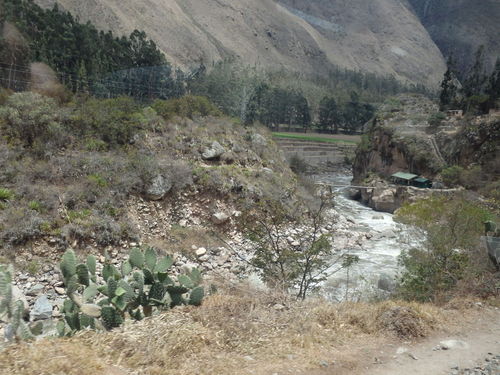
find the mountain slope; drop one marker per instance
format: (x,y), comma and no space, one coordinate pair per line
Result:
(380,36)
(459,27)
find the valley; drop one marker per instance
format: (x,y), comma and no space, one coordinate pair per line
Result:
(272,187)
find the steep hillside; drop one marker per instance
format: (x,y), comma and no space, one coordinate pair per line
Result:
(459,26)
(408,134)
(380,36)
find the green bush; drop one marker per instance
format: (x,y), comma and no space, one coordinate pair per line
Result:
(471,178)
(453,227)
(31,118)
(436,119)
(187,106)
(4,95)
(113,121)
(451,176)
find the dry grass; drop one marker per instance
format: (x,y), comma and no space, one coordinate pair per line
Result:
(239,332)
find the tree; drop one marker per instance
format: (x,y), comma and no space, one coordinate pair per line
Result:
(493,89)
(299,265)
(329,115)
(474,84)
(449,89)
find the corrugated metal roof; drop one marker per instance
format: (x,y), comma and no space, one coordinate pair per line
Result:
(404,176)
(421,179)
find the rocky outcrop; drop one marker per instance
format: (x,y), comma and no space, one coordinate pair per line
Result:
(158,188)
(213,152)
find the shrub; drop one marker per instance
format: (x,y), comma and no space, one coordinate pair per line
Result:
(451,176)
(453,227)
(35,206)
(436,119)
(297,164)
(93,144)
(98,180)
(31,118)
(4,95)
(113,121)
(187,106)
(6,194)
(471,178)
(20,226)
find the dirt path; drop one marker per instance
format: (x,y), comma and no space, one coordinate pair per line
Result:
(469,346)
(474,336)
(437,152)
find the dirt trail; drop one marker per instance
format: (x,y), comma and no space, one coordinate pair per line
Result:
(475,341)
(437,152)
(476,334)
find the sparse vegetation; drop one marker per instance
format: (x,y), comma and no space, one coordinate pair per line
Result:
(436,119)
(451,256)
(6,194)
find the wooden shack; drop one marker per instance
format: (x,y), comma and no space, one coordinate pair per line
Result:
(410,179)
(402,178)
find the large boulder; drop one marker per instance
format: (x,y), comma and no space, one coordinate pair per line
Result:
(385,200)
(158,188)
(386,283)
(259,143)
(215,151)
(220,217)
(42,309)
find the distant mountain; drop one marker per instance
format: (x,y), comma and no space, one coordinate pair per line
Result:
(378,36)
(459,27)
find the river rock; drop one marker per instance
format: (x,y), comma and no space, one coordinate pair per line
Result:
(215,151)
(220,217)
(201,251)
(158,188)
(453,344)
(42,309)
(386,282)
(384,200)
(35,290)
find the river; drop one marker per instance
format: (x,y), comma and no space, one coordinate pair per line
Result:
(372,236)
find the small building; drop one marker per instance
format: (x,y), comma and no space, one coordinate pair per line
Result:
(456,113)
(422,182)
(410,179)
(402,178)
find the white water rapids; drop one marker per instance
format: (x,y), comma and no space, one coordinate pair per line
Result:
(372,236)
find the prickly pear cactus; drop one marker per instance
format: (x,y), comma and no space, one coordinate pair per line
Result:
(12,310)
(136,289)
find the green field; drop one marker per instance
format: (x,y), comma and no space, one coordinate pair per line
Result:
(319,137)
